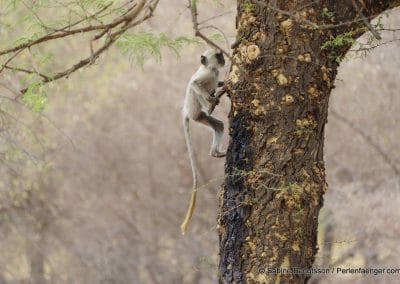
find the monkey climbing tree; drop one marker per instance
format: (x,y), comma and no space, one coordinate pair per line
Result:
(285,63)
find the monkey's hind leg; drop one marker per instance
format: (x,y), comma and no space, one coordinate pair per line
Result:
(218,128)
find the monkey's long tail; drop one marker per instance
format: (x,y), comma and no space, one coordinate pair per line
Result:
(192,205)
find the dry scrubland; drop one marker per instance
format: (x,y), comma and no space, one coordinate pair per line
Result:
(106,207)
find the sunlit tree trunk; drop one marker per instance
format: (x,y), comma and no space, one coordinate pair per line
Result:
(275,174)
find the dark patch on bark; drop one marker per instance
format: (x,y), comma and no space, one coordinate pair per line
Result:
(234,211)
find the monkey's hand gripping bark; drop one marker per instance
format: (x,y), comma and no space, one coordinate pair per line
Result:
(217,95)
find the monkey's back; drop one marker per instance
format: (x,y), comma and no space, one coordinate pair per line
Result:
(205,79)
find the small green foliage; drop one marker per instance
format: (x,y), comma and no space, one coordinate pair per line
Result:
(35,97)
(328,14)
(249,7)
(339,41)
(139,45)
(216,37)
(359,48)
(334,45)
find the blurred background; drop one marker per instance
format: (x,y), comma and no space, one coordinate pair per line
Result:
(93,189)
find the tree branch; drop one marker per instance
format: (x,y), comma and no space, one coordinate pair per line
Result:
(110,40)
(193,10)
(114,29)
(365,20)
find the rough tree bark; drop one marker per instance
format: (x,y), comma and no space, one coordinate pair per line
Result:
(275,174)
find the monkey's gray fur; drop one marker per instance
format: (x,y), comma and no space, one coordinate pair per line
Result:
(198,106)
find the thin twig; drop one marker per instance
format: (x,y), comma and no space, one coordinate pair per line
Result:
(366,22)
(27,71)
(374,46)
(215,17)
(219,30)
(193,10)
(10,59)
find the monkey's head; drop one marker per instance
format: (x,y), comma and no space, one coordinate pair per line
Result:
(213,58)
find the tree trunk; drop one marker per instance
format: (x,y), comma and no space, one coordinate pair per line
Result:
(279,86)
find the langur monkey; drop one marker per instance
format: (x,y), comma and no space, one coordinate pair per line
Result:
(198,106)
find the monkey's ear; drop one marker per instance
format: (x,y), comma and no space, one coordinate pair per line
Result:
(203,60)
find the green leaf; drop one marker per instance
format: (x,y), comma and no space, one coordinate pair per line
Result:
(141,45)
(35,97)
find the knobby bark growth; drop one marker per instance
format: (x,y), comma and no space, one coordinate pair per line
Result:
(275,176)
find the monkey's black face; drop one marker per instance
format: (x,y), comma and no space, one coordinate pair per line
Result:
(220,58)
(213,58)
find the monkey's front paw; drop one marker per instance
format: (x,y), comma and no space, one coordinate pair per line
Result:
(218,154)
